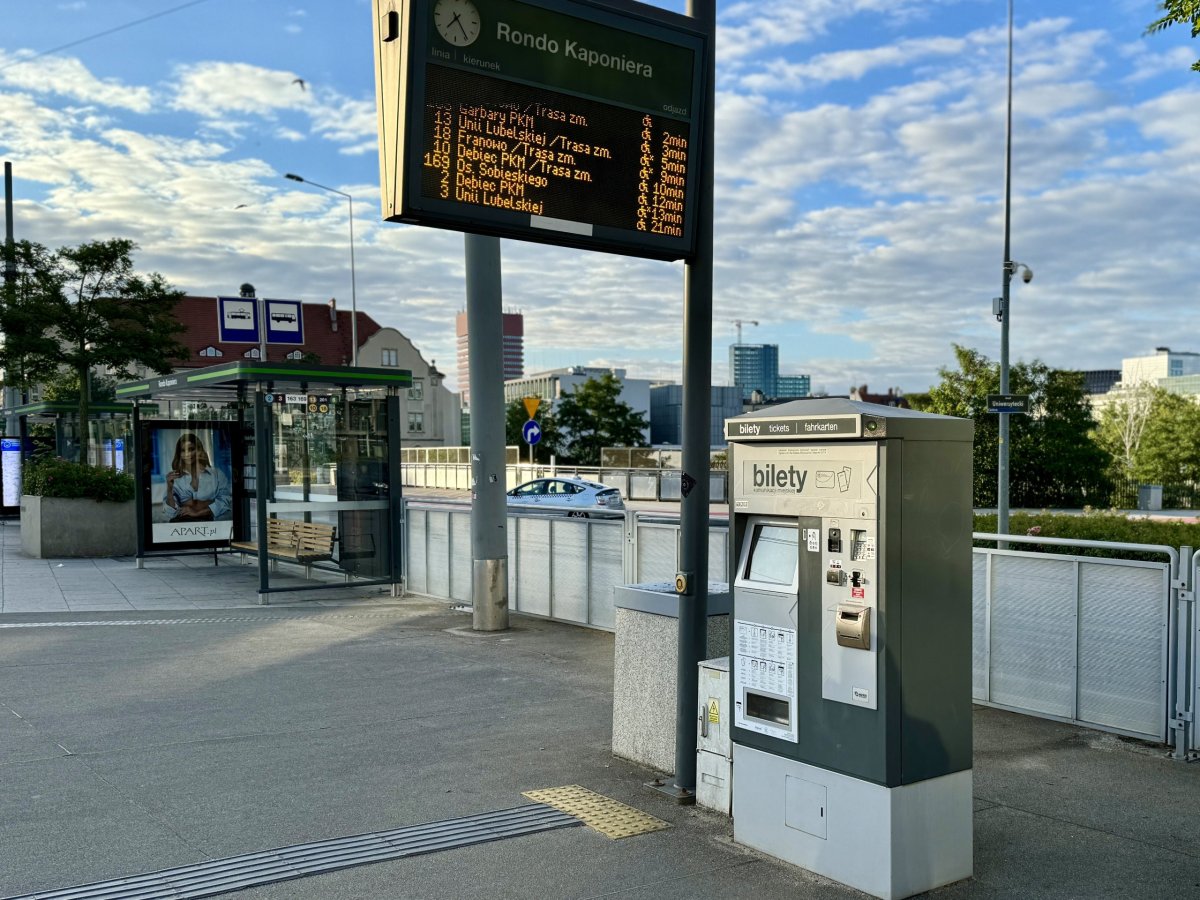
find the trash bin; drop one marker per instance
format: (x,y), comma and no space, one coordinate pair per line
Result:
(1150,497)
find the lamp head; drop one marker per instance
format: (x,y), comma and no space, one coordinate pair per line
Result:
(293,177)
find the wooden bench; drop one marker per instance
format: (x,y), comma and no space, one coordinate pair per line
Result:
(294,541)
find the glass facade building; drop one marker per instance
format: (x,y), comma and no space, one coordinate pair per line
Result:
(755,367)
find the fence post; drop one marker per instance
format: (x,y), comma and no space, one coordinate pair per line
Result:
(1183,688)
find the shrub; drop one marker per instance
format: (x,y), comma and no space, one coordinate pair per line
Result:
(56,477)
(1094,525)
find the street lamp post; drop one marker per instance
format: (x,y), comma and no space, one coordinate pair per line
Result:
(353,288)
(1002,312)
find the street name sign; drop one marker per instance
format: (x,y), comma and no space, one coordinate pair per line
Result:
(1008,403)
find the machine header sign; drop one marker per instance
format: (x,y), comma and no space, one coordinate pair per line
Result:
(743,429)
(560,121)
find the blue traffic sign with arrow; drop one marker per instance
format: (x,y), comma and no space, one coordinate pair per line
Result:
(531,431)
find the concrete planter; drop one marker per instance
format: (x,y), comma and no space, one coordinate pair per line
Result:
(52,528)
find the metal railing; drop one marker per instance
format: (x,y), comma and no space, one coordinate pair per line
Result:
(1100,642)
(634,484)
(1110,644)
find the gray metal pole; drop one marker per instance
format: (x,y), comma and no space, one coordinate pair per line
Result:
(1005,310)
(489,509)
(264,464)
(697,406)
(12,394)
(353,291)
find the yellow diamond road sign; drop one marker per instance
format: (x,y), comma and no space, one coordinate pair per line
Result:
(531,405)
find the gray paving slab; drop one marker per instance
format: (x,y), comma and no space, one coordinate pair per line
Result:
(235,728)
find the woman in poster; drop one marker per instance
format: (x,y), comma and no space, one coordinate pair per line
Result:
(197,490)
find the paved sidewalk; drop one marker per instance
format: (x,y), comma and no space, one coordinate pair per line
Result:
(135,740)
(167,582)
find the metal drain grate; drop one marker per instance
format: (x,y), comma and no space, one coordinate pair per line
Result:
(254,869)
(610,817)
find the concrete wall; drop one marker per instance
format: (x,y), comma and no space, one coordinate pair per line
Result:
(53,528)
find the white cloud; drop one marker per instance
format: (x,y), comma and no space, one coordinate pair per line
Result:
(217,89)
(68,78)
(858,197)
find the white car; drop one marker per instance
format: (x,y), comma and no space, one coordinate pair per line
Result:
(575,496)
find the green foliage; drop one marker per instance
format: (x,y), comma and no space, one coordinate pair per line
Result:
(63,387)
(1094,525)
(515,417)
(1052,459)
(79,308)
(1153,436)
(1170,448)
(1178,12)
(593,417)
(52,476)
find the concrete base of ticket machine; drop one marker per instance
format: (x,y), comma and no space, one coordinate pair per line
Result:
(887,842)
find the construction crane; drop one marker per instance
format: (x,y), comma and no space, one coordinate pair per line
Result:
(739,323)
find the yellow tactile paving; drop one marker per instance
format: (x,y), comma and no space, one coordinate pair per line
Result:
(610,817)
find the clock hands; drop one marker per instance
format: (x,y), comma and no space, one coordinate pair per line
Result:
(457,20)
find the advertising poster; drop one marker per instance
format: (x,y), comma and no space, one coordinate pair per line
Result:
(191,482)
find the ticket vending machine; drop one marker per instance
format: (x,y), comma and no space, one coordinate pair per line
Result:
(850,666)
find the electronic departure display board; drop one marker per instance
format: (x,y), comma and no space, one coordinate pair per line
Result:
(564,121)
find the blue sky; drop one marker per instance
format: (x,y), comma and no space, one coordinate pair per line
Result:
(859,180)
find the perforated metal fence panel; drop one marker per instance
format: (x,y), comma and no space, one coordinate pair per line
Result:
(439,553)
(606,565)
(533,566)
(418,546)
(1123,646)
(570,588)
(1073,638)
(657,552)
(460,556)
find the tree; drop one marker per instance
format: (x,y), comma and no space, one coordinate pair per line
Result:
(1170,451)
(593,417)
(1178,12)
(515,417)
(78,308)
(1168,447)
(1053,460)
(1123,423)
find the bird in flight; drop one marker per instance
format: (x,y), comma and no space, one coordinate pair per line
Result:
(300,81)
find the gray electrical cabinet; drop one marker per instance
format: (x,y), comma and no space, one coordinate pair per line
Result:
(850,665)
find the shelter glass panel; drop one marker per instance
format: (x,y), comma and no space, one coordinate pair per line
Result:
(331,467)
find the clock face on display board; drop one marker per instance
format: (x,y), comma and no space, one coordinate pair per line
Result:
(457,21)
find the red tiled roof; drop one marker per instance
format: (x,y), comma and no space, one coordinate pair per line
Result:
(199,316)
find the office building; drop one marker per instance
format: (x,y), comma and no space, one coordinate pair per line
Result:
(1100,381)
(755,367)
(666,413)
(792,387)
(512,337)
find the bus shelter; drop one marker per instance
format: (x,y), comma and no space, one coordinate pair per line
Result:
(286,462)
(53,427)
